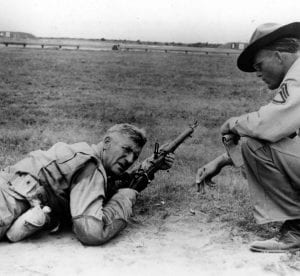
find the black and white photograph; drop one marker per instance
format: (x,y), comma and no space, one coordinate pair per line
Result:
(149,137)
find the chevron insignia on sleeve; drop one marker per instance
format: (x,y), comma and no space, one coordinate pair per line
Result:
(282,95)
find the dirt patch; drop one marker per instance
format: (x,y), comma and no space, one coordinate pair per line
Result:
(177,245)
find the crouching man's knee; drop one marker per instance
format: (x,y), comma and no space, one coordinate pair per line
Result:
(249,144)
(92,231)
(255,150)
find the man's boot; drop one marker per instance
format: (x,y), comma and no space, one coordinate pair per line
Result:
(288,240)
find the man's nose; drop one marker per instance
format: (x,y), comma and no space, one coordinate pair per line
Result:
(130,158)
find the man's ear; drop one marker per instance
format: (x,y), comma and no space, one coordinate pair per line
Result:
(106,142)
(279,56)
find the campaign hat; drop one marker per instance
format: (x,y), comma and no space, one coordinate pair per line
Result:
(264,35)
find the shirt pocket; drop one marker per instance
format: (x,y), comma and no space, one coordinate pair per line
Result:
(59,173)
(25,186)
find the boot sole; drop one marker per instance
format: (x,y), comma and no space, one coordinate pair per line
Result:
(260,250)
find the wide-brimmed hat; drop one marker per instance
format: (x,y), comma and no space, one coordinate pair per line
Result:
(262,36)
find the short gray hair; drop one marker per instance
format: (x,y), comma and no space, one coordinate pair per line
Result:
(137,135)
(286,44)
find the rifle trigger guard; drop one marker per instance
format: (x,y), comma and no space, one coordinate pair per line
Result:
(141,173)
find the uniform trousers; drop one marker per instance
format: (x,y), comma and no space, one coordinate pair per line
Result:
(273,174)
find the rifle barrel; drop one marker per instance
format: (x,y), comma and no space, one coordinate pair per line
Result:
(173,145)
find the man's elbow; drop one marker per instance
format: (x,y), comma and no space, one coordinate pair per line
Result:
(92,231)
(267,132)
(269,137)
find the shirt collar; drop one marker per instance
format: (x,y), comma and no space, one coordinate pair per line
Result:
(293,72)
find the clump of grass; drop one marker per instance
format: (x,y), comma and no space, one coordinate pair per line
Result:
(13,143)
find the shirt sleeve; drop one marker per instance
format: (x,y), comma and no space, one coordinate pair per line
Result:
(96,221)
(276,120)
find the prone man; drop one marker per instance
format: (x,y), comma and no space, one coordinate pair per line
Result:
(86,185)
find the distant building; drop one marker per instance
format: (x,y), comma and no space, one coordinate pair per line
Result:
(116,47)
(235,45)
(238,45)
(4,34)
(15,35)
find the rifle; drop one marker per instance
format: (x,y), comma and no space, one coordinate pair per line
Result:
(144,175)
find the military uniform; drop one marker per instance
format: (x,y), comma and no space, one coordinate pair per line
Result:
(72,181)
(272,154)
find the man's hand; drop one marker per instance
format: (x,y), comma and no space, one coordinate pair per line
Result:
(226,128)
(168,162)
(139,181)
(205,174)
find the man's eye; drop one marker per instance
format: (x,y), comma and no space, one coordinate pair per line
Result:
(127,150)
(135,156)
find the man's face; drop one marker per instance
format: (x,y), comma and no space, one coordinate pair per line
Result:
(269,67)
(120,152)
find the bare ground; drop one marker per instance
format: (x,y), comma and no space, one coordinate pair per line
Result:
(176,245)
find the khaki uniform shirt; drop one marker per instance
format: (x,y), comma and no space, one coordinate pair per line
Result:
(76,175)
(278,119)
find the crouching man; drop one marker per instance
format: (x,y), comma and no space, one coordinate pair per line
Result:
(86,185)
(270,142)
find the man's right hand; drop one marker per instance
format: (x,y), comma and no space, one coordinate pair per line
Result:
(205,174)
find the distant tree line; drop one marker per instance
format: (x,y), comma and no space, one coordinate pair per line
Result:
(127,41)
(198,44)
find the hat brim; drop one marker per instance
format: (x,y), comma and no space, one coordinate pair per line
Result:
(246,58)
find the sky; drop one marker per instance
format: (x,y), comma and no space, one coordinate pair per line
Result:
(187,21)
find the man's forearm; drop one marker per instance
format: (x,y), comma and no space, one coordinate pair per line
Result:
(120,205)
(224,160)
(96,230)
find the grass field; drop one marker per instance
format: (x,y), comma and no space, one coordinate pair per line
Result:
(48,96)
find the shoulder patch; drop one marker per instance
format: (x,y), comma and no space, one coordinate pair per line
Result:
(282,95)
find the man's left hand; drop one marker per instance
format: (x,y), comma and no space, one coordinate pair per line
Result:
(168,161)
(226,128)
